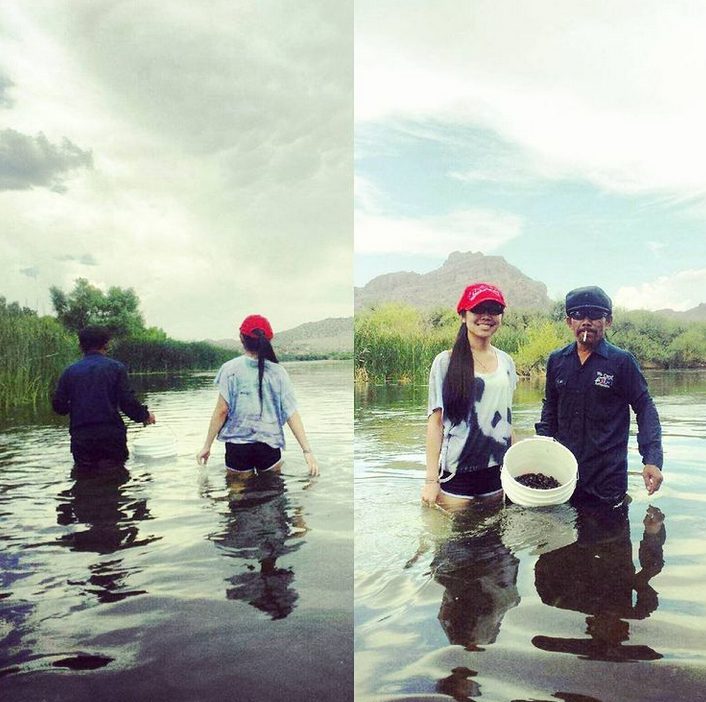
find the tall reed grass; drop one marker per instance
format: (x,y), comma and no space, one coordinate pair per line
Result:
(168,355)
(33,353)
(35,350)
(397,343)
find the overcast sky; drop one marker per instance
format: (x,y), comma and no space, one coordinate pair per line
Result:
(565,136)
(199,152)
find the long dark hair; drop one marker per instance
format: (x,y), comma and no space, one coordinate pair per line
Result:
(259,345)
(458,391)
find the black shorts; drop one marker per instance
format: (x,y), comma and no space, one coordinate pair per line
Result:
(474,484)
(256,456)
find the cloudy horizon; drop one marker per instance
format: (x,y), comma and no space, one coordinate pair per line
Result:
(564,137)
(198,154)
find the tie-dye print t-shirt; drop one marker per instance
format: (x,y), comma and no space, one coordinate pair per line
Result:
(248,422)
(482,440)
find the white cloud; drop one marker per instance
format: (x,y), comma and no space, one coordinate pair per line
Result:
(460,230)
(604,91)
(221,145)
(681,291)
(367,196)
(656,247)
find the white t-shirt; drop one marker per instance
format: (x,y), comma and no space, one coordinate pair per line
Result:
(248,421)
(482,440)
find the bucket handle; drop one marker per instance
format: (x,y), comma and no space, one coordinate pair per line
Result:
(159,426)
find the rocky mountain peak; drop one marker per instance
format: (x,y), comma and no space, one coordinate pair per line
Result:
(443,286)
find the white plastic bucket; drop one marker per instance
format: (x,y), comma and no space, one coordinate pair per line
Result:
(539,454)
(155,444)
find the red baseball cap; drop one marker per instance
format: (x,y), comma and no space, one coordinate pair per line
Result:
(479,292)
(253,322)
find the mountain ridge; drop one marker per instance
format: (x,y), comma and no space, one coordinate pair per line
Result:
(333,335)
(694,314)
(442,286)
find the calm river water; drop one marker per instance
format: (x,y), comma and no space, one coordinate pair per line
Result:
(525,604)
(171,583)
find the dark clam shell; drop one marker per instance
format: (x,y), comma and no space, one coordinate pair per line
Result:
(538,481)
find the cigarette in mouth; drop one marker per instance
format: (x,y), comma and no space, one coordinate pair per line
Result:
(585,334)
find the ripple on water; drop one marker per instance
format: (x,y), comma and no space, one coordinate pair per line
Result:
(104,577)
(527,604)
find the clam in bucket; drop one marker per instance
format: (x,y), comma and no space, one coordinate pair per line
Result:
(155,443)
(539,454)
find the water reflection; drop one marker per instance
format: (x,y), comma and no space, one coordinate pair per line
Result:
(591,603)
(69,549)
(104,503)
(596,576)
(259,528)
(179,382)
(479,576)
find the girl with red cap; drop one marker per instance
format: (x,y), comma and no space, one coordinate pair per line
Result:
(469,425)
(255,401)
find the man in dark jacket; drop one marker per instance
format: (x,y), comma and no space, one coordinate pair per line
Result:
(591,386)
(92,392)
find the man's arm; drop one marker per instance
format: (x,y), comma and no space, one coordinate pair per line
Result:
(60,402)
(649,430)
(128,402)
(547,425)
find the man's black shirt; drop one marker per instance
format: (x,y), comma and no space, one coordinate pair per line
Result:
(93,391)
(587,408)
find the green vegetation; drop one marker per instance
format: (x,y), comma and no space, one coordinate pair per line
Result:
(658,341)
(397,343)
(118,309)
(142,349)
(313,356)
(146,354)
(34,352)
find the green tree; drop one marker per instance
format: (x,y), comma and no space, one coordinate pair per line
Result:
(543,337)
(558,311)
(689,348)
(118,309)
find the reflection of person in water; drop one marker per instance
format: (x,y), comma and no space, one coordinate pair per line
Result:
(479,575)
(104,505)
(260,526)
(596,576)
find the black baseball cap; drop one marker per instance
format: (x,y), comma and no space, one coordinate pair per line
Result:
(590,296)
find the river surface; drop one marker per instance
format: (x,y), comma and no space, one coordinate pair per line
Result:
(171,582)
(522,604)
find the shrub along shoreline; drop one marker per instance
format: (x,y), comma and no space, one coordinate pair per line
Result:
(35,350)
(397,343)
